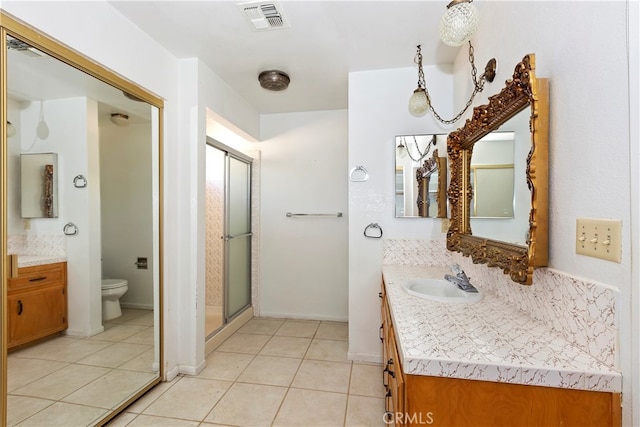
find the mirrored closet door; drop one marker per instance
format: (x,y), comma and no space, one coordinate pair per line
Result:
(81,288)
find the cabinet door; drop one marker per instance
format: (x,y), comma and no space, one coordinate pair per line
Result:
(36,314)
(392,373)
(395,393)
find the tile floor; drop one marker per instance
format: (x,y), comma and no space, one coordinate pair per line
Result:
(69,381)
(271,372)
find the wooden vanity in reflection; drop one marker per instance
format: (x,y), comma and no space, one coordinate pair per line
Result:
(36,303)
(415,399)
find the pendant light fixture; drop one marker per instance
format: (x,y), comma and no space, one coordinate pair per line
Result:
(403,150)
(42,130)
(457,26)
(11,129)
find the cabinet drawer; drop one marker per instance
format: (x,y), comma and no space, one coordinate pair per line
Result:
(38,275)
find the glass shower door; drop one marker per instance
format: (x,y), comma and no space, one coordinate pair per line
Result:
(238,236)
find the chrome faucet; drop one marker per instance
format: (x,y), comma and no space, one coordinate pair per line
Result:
(460,279)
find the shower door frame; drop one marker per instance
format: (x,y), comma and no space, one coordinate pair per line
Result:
(237,155)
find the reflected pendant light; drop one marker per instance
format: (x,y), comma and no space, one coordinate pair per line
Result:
(42,130)
(11,129)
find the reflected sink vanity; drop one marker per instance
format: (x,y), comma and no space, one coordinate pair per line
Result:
(36,299)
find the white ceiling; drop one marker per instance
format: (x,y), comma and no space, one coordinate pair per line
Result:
(325,41)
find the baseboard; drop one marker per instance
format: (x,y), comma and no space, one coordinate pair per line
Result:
(192,370)
(83,333)
(228,330)
(364,357)
(298,316)
(136,306)
(171,373)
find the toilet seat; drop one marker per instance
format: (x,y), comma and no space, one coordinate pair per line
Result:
(113,283)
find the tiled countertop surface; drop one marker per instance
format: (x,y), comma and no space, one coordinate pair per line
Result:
(487,340)
(32,260)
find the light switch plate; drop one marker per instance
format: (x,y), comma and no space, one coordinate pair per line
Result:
(599,238)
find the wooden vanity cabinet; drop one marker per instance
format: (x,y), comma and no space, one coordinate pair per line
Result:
(392,375)
(36,303)
(418,400)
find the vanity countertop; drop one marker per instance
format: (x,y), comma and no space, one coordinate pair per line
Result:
(487,340)
(33,260)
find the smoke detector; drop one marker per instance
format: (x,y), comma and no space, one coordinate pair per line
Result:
(264,15)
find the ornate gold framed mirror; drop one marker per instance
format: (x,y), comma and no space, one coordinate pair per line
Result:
(43,81)
(519,244)
(432,193)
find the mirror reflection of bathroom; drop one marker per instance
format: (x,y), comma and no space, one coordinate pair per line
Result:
(416,175)
(501,200)
(492,176)
(97,243)
(38,184)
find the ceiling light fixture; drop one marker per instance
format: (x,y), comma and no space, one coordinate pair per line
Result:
(274,80)
(119,119)
(456,27)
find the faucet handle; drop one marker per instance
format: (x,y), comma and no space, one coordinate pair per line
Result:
(456,269)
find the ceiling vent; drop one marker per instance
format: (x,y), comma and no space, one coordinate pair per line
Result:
(264,15)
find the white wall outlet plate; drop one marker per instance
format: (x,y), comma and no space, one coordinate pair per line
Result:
(599,238)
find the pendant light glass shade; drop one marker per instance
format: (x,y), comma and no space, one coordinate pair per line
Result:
(11,129)
(418,103)
(42,130)
(401,151)
(459,23)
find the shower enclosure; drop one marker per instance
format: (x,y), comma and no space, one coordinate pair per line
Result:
(228,235)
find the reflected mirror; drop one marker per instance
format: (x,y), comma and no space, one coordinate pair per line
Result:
(83,316)
(507,187)
(420,176)
(38,194)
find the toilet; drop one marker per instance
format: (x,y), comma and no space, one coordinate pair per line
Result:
(112,290)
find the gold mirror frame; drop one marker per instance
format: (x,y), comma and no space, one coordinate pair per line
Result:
(523,90)
(423,176)
(17,29)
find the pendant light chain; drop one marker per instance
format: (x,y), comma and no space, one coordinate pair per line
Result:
(478,85)
(422,155)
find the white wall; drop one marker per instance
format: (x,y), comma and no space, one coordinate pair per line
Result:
(14,221)
(204,101)
(126,206)
(588,71)
(378,111)
(304,259)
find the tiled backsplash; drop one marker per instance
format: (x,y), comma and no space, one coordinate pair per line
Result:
(27,244)
(582,312)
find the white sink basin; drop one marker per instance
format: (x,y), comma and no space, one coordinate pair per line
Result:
(440,290)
